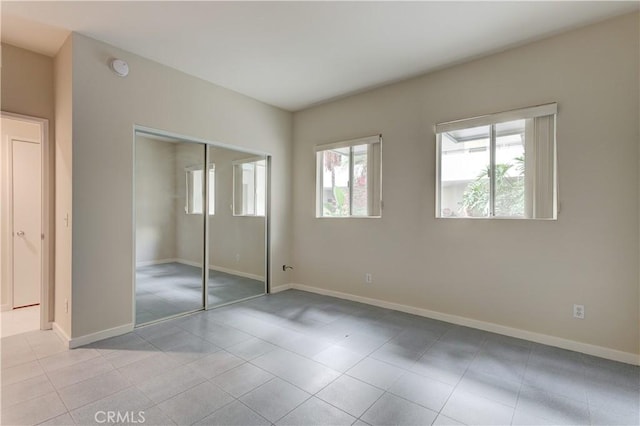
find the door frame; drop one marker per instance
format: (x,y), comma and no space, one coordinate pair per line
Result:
(46,203)
(145,130)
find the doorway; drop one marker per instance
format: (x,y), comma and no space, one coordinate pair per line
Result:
(24,251)
(200,225)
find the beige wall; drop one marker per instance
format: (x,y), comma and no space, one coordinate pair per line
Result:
(106,108)
(63,76)
(27,83)
(521,274)
(26,87)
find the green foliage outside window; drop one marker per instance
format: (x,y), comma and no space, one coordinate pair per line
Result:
(509,192)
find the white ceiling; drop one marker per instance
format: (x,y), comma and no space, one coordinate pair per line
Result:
(297,54)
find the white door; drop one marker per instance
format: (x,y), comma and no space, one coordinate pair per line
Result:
(27,222)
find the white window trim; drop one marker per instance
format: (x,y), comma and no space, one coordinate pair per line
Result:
(367,140)
(500,117)
(211,166)
(352,142)
(255,192)
(491,120)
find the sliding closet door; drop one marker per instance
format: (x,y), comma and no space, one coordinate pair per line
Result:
(170,216)
(237,226)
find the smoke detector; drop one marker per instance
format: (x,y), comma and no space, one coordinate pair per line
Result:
(119,67)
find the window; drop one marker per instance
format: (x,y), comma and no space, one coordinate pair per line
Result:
(250,187)
(348,178)
(195,190)
(498,166)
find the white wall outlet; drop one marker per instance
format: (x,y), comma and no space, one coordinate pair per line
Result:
(578,311)
(368,278)
(237,257)
(66,305)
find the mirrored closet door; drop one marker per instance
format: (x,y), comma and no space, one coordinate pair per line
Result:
(237,228)
(198,208)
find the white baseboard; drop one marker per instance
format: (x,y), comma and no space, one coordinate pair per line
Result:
(100,335)
(281,287)
(5,307)
(238,273)
(221,269)
(599,351)
(61,333)
(154,262)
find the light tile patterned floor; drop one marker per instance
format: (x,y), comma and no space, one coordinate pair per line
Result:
(297,358)
(21,320)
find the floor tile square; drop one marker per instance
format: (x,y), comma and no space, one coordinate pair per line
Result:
(171,383)
(473,409)
(242,379)
(234,414)
(424,391)
(316,412)
(149,367)
(376,373)
(129,400)
(20,372)
(308,375)
(195,404)
(79,372)
(61,420)
(490,387)
(443,420)
(67,358)
(216,363)
(350,395)
(391,410)
(27,389)
(93,389)
(262,400)
(338,358)
(251,348)
(33,411)
(440,368)
(552,407)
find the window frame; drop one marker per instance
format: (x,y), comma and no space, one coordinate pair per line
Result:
(189,193)
(234,197)
(351,143)
(492,120)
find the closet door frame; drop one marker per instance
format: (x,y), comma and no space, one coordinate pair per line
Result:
(148,131)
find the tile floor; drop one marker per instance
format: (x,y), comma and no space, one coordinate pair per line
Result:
(297,358)
(20,320)
(173,288)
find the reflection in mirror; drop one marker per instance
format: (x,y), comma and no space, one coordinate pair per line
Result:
(169,227)
(172,196)
(237,230)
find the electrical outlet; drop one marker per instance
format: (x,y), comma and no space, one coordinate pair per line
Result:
(368,278)
(578,311)
(66,305)
(237,257)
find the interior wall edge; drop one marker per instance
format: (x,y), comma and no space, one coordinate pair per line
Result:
(559,342)
(60,332)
